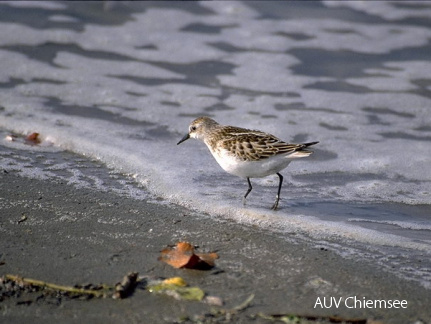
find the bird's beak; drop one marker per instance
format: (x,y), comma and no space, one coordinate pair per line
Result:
(185,138)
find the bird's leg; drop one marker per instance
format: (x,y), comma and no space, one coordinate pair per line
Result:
(248,191)
(277,198)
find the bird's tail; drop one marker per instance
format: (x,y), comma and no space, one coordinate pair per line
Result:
(301,150)
(309,144)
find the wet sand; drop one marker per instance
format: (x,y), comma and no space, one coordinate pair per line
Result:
(76,236)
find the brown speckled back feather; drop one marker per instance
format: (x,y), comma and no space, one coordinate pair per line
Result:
(253,145)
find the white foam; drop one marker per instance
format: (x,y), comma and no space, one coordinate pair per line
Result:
(31,36)
(63,18)
(94,82)
(408,225)
(385,9)
(36,4)
(129,113)
(401,71)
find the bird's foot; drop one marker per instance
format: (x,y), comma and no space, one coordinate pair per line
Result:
(275,206)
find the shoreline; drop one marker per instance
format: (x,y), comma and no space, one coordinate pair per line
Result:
(76,236)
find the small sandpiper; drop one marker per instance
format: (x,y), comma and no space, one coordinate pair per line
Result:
(246,153)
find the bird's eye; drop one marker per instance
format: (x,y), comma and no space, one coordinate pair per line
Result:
(193,128)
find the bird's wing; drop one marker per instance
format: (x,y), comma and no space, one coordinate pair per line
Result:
(255,145)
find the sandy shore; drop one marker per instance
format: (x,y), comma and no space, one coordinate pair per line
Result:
(54,232)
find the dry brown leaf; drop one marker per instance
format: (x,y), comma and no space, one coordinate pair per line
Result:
(33,138)
(208,258)
(183,256)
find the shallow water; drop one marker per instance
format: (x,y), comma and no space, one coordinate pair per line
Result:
(120,83)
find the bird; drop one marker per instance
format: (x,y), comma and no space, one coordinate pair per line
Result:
(246,153)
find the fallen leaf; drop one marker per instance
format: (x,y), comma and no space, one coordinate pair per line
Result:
(208,258)
(176,287)
(33,138)
(177,281)
(183,256)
